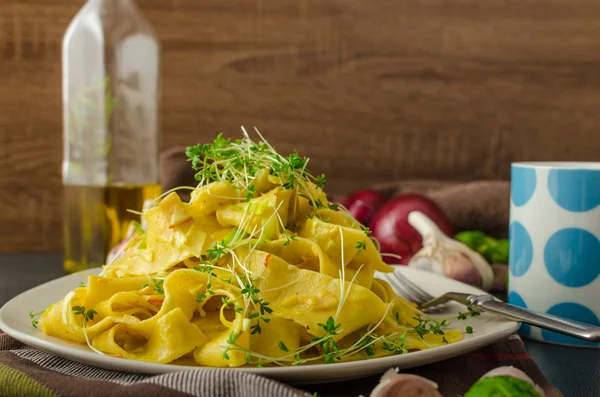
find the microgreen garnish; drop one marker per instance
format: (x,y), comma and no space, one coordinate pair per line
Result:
(469,313)
(250,194)
(209,289)
(239,161)
(231,339)
(81,284)
(420,328)
(366,230)
(289,238)
(217,251)
(395,345)
(429,326)
(250,290)
(469,329)
(361,246)
(326,342)
(261,307)
(226,301)
(35,317)
(205,268)
(156,285)
(320,181)
(370,351)
(259,363)
(333,206)
(318,203)
(283,347)
(200,298)
(87,315)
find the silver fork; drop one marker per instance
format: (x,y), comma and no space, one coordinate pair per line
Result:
(426,302)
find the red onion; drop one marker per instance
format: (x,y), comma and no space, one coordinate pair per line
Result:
(364,204)
(395,235)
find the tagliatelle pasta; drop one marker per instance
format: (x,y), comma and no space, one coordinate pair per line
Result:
(257,269)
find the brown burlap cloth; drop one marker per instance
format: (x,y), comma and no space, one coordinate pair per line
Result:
(25,371)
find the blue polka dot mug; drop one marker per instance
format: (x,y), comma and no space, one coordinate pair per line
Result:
(554,233)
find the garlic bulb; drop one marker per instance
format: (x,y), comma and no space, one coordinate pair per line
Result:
(393,384)
(444,255)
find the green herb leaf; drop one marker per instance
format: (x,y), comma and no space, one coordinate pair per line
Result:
(35,317)
(320,181)
(87,315)
(283,347)
(200,298)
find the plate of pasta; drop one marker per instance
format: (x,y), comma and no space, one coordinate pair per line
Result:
(256,272)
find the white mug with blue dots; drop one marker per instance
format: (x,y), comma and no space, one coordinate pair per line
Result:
(554,233)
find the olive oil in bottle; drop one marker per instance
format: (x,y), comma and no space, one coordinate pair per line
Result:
(111,68)
(98,218)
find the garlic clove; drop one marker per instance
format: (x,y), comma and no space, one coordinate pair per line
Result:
(393,384)
(444,255)
(458,267)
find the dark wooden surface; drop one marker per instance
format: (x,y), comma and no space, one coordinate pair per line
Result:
(435,89)
(574,371)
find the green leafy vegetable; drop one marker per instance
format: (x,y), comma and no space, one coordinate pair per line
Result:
(502,386)
(494,251)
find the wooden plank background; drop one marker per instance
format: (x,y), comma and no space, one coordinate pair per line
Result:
(370,90)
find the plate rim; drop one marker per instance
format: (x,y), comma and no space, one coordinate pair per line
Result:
(299,374)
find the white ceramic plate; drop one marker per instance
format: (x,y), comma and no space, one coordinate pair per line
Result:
(14,320)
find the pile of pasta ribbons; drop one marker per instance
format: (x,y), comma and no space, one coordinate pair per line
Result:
(258,268)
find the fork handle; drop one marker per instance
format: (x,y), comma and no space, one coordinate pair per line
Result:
(557,324)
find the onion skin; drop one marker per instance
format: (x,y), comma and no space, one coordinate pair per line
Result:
(405,385)
(395,235)
(363,204)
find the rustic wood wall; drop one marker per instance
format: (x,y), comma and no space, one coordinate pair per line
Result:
(371,90)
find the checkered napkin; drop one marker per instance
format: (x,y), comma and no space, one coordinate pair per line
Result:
(28,372)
